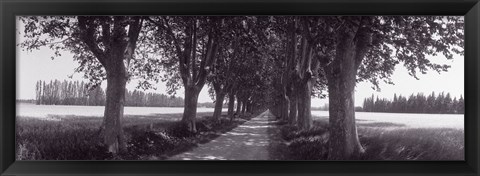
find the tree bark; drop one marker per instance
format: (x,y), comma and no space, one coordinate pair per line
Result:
(113,115)
(292,117)
(304,85)
(249,107)
(341,75)
(190,110)
(304,120)
(239,106)
(244,106)
(291,64)
(285,104)
(231,104)
(218,105)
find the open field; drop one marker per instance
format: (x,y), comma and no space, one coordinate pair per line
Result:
(391,139)
(396,120)
(66,132)
(402,120)
(149,137)
(48,111)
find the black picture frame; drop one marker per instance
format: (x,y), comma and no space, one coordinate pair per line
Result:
(10,8)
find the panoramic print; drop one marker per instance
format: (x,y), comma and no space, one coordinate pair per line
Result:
(240,88)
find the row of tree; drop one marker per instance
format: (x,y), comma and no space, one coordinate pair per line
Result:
(77,93)
(435,104)
(142,99)
(66,92)
(181,51)
(227,54)
(334,53)
(278,62)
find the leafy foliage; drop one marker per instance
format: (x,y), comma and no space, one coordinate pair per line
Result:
(410,40)
(390,40)
(89,39)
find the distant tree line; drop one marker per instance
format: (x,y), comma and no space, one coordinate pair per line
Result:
(65,92)
(142,99)
(434,104)
(57,92)
(321,108)
(30,101)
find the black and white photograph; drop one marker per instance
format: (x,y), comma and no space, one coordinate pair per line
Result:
(289,88)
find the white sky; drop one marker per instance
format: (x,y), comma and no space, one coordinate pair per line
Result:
(37,65)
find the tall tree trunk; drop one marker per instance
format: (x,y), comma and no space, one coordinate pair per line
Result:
(119,47)
(231,104)
(304,85)
(285,104)
(304,120)
(343,130)
(218,105)
(239,106)
(115,95)
(193,75)
(190,110)
(249,107)
(291,64)
(344,142)
(244,106)
(292,117)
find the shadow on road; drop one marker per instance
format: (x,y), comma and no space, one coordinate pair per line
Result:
(249,141)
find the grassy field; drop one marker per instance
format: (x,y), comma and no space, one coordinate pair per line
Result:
(382,141)
(156,137)
(148,137)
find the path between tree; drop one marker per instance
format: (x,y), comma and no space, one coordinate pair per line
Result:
(249,141)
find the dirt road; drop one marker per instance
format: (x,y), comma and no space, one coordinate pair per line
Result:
(248,141)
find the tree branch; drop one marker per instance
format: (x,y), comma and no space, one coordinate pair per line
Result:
(87,35)
(133,33)
(362,45)
(210,55)
(363,40)
(178,48)
(194,51)
(105,33)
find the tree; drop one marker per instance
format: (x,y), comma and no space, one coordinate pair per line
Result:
(283,36)
(439,103)
(461,105)
(305,69)
(298,77)
(368,48)
(241,69)
(448,104)
(454,106)
(193,42)
(101,44)
(225,70)
(38,92)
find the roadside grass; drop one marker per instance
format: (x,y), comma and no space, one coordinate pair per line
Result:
(153,137)
(381,141)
